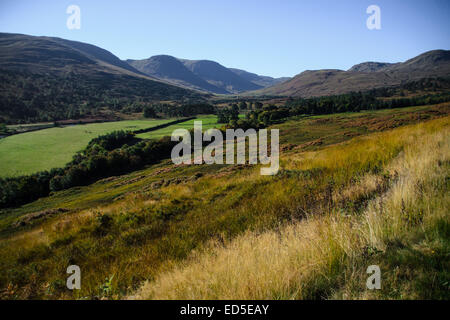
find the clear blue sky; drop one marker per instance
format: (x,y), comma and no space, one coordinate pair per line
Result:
(276,38)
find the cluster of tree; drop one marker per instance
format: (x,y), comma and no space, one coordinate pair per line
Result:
(261,118)
(19,190)
(149,112)
(421,85)
(354,102)
(111,141)
(226,115)
(27,97)
(134,107)
(112,154)
(183,110)
(3,129)
(426,84)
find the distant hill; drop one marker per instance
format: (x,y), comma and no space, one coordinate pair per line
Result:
(58,56)
(204,75)
(363,76)
(173,70)
(218,75)
(263,81)
(370,66)
(46,79)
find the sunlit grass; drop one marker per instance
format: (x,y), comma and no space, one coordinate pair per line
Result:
(326,255)
(300,234)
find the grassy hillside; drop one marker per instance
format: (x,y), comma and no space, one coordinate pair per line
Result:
(324,252)
(369,197)
(45,149)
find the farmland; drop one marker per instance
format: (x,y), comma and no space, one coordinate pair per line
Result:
(208,122)
(45,149)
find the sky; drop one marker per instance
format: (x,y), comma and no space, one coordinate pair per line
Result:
(275,38)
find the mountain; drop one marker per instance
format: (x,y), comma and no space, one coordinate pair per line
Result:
(46,79)
(369,66)
(219,76)
(55,55)
(263,81)
(363,76)
(203,75)
(173,70)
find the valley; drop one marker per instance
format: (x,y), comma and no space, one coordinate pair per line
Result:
(156,224)
(90,180)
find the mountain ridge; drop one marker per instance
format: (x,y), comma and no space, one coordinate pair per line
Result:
(171,69)
(363,76)
(48,79)
(204,75)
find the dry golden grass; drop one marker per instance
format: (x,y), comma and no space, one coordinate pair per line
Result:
(301,234)
(324,255)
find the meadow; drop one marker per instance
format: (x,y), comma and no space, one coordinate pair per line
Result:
(30,152)
(208,122)
(45,149)
(372,190)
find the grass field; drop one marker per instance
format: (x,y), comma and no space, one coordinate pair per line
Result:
(377,197)
(208,122)
(54,147)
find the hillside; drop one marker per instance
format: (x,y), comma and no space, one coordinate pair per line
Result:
(45,79)
(172,70)
(203,75)
(353,189)
(369,66)
(263,81)
(363,76)
(220,76)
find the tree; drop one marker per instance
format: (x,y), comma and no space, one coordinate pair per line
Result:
(258,105)
(234,112)
(149,112)
(222,116)
(3,129)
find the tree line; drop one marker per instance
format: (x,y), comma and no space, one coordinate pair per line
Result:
(351,102)
(112,154)
(174,111)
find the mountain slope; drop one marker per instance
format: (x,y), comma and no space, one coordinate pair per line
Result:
(201,75)
(46,79)
(364,76)
(204,75)
(55,55)
(369,66)
(172,70)
(263,81)
(219,76)
(97,54)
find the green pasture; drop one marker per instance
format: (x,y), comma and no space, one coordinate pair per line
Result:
(208,122)
(45,149)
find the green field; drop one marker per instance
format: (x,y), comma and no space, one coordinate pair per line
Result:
(54,147)
(208,122)
(45,149)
